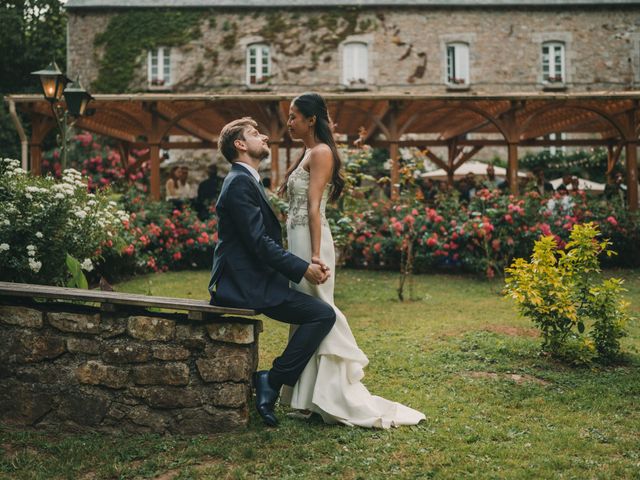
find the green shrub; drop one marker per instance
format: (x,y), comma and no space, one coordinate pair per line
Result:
(42,220)
(581,317)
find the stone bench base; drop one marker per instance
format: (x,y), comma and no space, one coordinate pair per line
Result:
(74,367)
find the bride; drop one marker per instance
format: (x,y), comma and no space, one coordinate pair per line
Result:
(330,385)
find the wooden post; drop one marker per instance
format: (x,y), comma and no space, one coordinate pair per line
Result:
(36,159)
(275,163)
(394,153)
(512,170)
(154,153)
(632,175)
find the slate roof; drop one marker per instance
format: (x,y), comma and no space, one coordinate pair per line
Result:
(111,4)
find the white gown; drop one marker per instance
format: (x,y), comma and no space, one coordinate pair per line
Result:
(330,385)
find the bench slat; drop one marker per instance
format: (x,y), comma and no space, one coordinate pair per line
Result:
(119,298)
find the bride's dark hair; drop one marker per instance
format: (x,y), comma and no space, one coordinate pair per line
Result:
(310,104)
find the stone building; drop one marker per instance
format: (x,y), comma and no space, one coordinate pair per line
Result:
(421,46)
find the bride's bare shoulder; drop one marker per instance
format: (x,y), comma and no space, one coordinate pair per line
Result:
(321,152)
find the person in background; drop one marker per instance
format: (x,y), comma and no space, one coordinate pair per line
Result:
(616,191)
(575,184)
(542,186)
(428,190)
(566,181)
(207,192)
(467,187)
(491,182)
(171,186)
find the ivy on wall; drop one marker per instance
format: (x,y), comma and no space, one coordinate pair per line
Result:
(129,34)
(329,30)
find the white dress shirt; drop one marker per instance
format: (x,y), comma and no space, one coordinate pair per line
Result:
(254,173)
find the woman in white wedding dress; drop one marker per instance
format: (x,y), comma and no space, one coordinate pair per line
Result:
(331,384)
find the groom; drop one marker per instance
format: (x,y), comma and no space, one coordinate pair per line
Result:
(251,269)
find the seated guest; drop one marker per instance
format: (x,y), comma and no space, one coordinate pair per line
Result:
(616,191)
(491,182)
(207,192)
(542,186)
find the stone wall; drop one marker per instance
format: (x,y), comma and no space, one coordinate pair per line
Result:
(73,367)
(406,45)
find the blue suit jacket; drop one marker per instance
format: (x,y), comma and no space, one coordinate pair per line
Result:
(251,269)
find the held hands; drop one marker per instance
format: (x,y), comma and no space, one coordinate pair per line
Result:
(318,272)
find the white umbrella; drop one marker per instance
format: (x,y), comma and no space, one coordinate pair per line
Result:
(477,168)
(583,184)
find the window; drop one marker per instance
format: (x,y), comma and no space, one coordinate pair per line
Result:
(553,62)
(553,149)
(258,64)
(355,64)
(457,64)
(159,61)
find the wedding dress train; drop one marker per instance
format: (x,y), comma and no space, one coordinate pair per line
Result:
(330,385)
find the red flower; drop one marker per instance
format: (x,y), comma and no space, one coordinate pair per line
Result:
(177,256)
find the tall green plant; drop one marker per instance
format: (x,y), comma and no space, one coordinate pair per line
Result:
(581,317)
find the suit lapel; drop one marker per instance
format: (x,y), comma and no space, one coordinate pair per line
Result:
(260,189)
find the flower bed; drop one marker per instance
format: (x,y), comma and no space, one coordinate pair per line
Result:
(481,237)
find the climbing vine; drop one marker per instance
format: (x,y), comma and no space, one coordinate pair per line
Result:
(129,34)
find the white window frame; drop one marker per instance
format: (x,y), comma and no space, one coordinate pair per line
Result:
(256,52)
(355,69)
(556,71)
(554,149)
(161,80)
(457,68)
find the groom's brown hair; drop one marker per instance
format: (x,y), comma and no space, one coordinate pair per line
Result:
(231,132)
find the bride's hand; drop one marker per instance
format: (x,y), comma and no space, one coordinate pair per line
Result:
(316,259)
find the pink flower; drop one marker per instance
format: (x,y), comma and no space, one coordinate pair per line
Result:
(612,221)
(377,247)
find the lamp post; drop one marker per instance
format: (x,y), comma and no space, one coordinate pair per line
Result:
(56,85)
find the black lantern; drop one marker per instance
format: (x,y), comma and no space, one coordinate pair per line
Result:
(75,102)
(53,81)
(76,98)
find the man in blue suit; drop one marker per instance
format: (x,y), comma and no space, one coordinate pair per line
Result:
(251,269)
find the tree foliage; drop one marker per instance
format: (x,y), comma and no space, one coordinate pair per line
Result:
(33,33)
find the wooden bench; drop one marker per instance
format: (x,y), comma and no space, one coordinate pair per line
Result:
(73,359)
(196,309)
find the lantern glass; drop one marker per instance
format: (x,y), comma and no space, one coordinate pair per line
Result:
(53,82)
(76,98)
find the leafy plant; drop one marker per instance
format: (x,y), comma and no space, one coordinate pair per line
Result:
(580,316)
(43,219)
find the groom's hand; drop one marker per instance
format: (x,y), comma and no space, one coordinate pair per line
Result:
(317,261)
(315,274)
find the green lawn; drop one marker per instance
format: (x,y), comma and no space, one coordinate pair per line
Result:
(458,352)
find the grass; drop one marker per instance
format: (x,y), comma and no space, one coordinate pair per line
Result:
(458,352)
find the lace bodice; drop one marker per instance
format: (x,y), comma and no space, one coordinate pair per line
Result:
(298,193)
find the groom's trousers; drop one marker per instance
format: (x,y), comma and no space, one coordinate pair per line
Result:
(314,318)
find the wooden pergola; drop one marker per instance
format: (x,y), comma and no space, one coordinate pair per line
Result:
(463,123)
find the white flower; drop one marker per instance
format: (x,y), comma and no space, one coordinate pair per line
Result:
(80,214)
(6,222)
(29,196)
(59,195)
(4,247)
(31,247)
(35,265)
(87,265)
(39,235)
